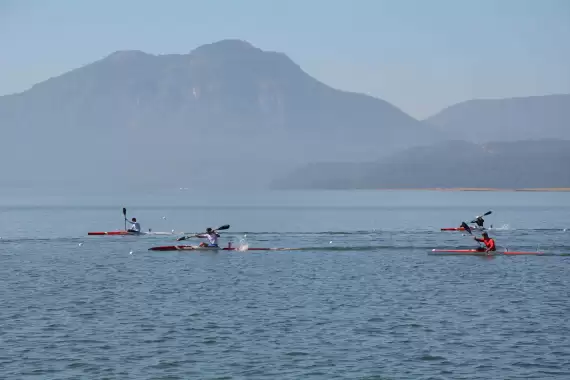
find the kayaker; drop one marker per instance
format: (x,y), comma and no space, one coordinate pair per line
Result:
(212,237)
(479,221)
(135,227)
(489,243)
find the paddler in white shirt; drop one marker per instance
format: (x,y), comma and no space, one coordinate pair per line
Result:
(212,237)
(135,227)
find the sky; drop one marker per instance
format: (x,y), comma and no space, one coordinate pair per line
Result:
(419,55)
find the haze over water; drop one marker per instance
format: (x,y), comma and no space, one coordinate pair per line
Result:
(363,300)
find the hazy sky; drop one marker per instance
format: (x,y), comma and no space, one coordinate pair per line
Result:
(420,55)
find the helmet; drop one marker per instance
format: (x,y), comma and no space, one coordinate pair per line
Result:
(485,234)
(208,229)
(134,219)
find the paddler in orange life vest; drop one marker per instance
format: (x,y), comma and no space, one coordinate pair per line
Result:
(212,237)
(489,243)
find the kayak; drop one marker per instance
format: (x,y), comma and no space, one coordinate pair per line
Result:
(111,233)
(198,248)
(123,232)
(478,252)
(473,228)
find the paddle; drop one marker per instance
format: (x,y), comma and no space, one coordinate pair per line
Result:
(125,215)
(468,229)
(224,227)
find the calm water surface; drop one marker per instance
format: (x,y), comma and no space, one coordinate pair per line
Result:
(363,300)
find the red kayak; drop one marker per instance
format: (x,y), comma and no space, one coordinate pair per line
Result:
(117,233)
(478,252)
(111,233)
(462,229)
(198,248)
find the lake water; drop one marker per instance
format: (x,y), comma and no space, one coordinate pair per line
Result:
(362,300)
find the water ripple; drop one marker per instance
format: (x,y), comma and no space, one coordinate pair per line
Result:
(385,310)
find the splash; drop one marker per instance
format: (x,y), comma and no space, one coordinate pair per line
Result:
(243,244)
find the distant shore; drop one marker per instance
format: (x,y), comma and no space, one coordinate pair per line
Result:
(546,189)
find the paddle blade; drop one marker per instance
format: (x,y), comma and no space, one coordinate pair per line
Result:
(488,213)
(224,227)
(124,211)
(466,227)
(181,238)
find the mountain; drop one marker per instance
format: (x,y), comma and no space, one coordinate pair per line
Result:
(451,164)
(227,113)
(534,117)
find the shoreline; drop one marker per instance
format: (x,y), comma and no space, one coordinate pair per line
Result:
(489,189)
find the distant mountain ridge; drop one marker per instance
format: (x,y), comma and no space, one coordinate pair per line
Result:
(522,118)
(229,114)
(452,164)
(212,114)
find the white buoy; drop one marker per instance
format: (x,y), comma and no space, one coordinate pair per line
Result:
(130,253)
(330,242)
(80,244)
(164,217)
